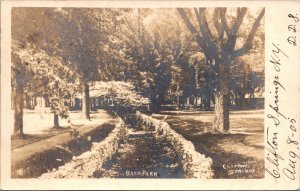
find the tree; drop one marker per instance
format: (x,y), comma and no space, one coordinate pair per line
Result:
(85,37)
(36,66)
(155,45)
(19,73)
(175,87)
(49,76)
(219,45)
(78,44)
(140,52)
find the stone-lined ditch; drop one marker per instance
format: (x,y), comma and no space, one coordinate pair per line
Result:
(143,148)
(143,156)
(195,164)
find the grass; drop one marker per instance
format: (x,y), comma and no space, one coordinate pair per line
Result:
(46,147)
(38,123)
(236,154)
(38,127)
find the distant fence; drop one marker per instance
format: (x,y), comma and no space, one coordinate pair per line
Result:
(195,164)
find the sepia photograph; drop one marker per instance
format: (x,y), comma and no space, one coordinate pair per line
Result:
(137,93)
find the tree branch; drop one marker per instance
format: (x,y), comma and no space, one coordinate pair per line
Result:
(207,36)
(193,30)
(248,44)
(218,27)
(224,21)
(189,25)
(255,26)
(206,33)
(230,44)
(203,46)
(241,12)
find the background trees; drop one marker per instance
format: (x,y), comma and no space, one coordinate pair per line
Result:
(155,44)
(165,55)
(56,49)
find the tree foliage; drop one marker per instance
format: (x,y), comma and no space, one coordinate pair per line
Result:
(49,76)
(122,92)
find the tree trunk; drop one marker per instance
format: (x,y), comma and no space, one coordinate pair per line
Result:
(177,103)
(117,108)
(18,107)
(206,101)
(34,102)
(99,102)
(47,102)
(177,97)
(243,92)
(94,104)
(196,101)
(221,121)
(77,105)
(200,101)
(56,120)
(27,100)
(161,101)
(85,101)
(188,101)
(155,104)
(70,102)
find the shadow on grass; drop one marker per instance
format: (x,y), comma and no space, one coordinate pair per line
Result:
(223,148)
(18,141)
(43,161)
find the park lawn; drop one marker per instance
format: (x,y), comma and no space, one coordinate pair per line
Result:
(38,127)
(236,154)
(48,147)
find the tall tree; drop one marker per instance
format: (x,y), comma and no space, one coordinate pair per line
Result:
(219,44)
(45,76)
(85,39)
(37,68)
(140,51)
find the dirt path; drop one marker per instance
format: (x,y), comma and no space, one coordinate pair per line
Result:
(142,156)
